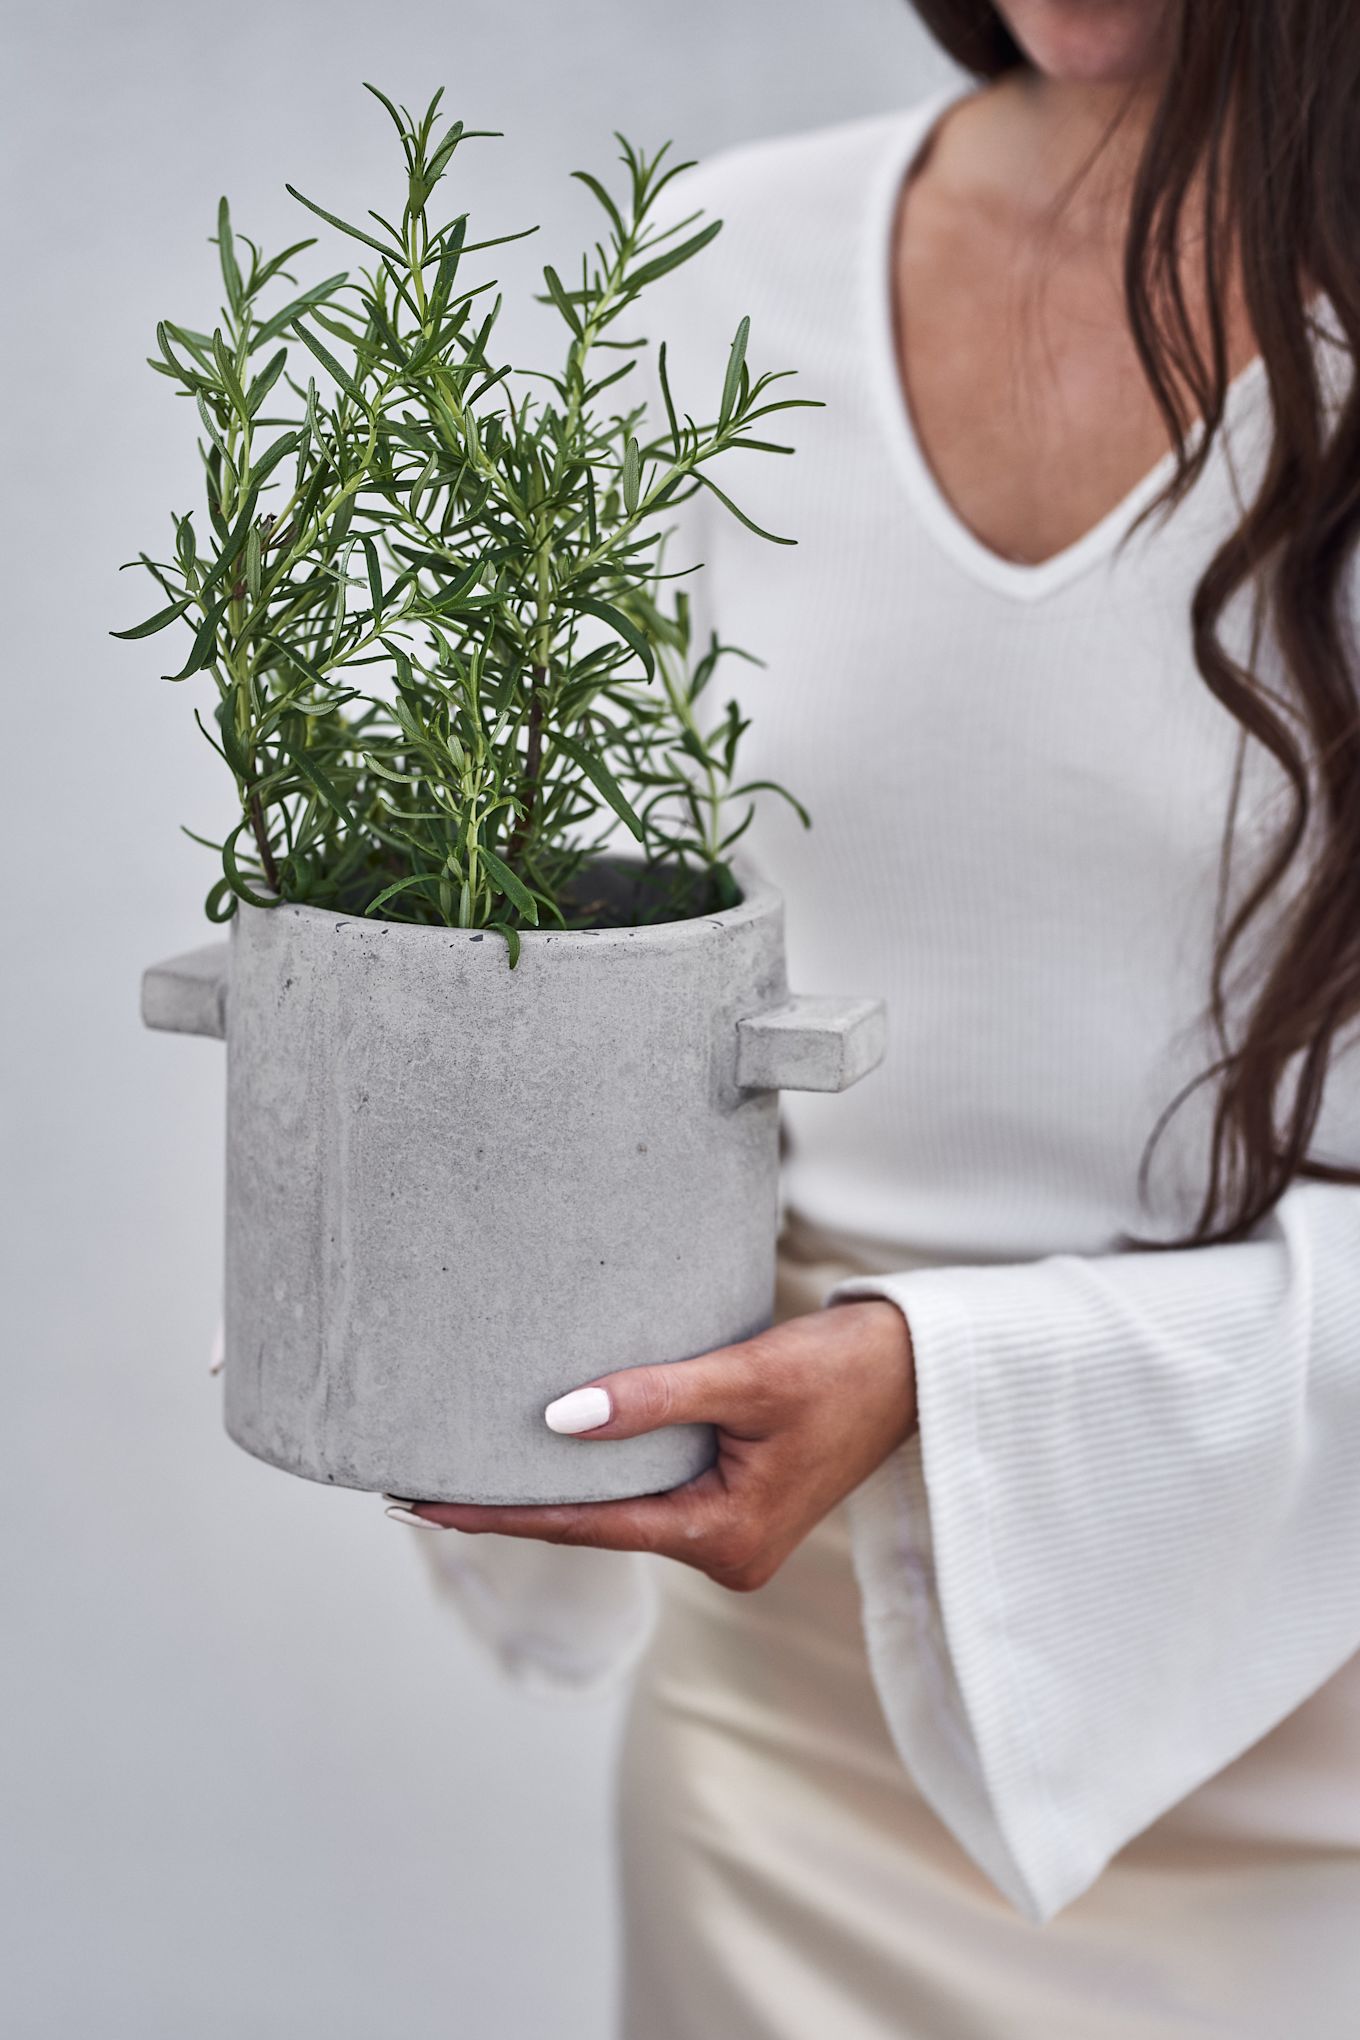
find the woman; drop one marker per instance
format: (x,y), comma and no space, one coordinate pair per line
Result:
(1066,1382)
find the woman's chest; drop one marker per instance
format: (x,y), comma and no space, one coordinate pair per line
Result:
(1025,392)
(1017,363)
(911,707)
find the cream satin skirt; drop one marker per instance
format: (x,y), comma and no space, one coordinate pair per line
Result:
(783,1880)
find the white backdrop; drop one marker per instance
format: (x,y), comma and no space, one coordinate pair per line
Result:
(253,1782)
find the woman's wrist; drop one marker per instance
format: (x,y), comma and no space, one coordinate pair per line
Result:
(892,1356)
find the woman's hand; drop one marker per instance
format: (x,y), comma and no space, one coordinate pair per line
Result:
(804,1412)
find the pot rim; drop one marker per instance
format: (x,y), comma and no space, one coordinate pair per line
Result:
(759,899)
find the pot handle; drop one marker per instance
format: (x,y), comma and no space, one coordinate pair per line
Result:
(188,994)
(811,1044)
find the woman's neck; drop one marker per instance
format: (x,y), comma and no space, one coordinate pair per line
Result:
(1059,151)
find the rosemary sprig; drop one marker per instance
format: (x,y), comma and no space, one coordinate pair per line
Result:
(428,589)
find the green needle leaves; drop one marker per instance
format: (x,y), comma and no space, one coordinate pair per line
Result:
(428,587)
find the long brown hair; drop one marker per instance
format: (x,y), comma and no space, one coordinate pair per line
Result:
(1256,144)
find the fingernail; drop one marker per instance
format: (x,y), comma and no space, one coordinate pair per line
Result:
(583,1410)
(410,1516)
(400,1501)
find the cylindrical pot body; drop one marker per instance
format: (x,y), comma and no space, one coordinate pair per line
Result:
(457,1190)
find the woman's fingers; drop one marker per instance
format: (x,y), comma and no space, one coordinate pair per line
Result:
(707,1523)
(731,1386)
(701,1524)
(673,1524)
(805,1410)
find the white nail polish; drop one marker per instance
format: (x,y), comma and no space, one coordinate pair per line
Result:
(410,1516)
(583,1410)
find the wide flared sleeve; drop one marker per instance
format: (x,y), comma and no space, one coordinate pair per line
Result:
(1125,1541)
(556,1620)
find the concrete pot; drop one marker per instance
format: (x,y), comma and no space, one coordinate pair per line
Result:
(455,1191)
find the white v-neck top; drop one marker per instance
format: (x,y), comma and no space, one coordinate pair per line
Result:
(1126,1544)
(1017,779)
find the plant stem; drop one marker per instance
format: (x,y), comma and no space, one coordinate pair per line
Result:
(533,762)
(262,844)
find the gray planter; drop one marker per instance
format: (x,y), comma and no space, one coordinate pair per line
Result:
(455,1191)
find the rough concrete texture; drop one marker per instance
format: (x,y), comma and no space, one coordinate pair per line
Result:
(455,1191)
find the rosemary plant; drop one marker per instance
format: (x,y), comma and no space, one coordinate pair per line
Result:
(430,589)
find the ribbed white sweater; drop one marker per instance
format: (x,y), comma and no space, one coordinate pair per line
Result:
(1126,1542)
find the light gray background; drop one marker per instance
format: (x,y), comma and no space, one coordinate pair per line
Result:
(253,1782)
